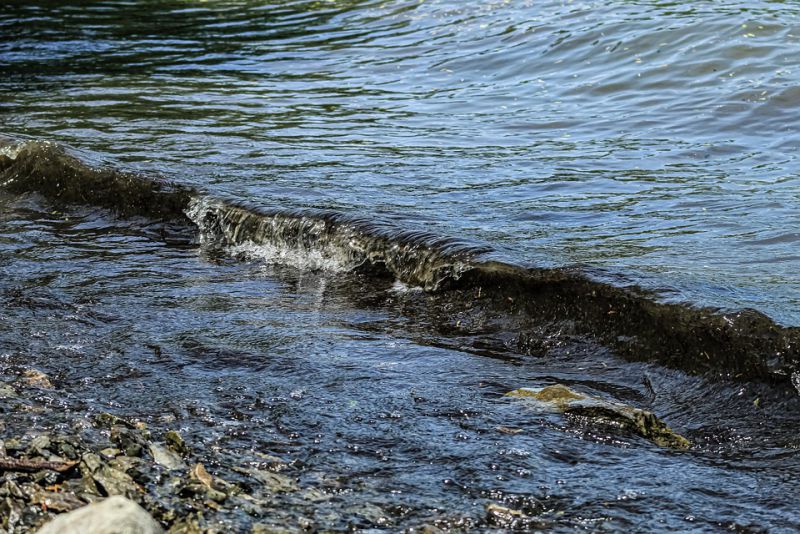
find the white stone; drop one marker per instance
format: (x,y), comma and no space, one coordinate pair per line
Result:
(115,515)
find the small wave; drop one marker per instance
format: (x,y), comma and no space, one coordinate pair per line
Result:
(525,305)
(331,241)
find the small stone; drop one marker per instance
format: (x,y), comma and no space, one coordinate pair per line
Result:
(8,392)
(176,443)
(39,445)
(107,420)
(11,513)
(35,378)
(197,489)
(503,517)
(57,501)
(115,514)
(109,453)
(111,481)
(130,441)
(198,472)
(191,524)
(11,489)
(273,529)
(274,482)
(166,457)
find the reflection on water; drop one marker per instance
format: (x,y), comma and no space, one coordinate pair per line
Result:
(650,138)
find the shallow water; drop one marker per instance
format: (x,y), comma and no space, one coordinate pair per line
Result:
(656,141)
(370,404)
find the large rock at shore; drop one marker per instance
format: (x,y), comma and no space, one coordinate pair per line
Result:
(115,515)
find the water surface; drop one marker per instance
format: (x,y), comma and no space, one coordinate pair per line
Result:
(655,143)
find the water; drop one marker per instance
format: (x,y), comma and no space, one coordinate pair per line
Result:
(654,144)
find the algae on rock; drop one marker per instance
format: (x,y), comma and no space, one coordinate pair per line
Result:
(560,398)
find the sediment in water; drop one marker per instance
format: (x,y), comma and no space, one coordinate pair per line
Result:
(519,304)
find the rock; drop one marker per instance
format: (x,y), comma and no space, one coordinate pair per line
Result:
(8,392)
(110,481)
(274,482)
(57,501)
(191,524)
(372,513)
(166,457)
(40,445)
(115,515)
(176,443)
(199,473)
(510,519)
(11,489)
(560,398)
(272,463)
(10,513)
(107,420)
(109,453)
(35,378)
(261,528)
(129,440)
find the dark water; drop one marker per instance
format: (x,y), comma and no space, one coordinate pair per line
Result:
(658,141)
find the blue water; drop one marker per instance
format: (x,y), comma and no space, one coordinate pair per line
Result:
(657,140)
(655,143)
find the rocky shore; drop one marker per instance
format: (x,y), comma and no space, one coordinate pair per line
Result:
(106,473)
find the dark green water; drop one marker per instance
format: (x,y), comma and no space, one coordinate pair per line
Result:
(656,143)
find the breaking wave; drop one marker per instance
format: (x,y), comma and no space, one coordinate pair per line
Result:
(467,291)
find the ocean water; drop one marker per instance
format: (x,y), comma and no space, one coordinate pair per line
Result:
(381,217)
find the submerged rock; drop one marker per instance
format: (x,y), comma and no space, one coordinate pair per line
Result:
(116,515)
(35,378)
(560,398)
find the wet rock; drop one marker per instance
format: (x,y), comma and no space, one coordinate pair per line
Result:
(109,453)
(13,445)
(199,473)
(274,482)
(10,513)
(176,443)
(191,524)
(129,440)
(35,378)
(166,457)
(115,514)
(57,501)
(262,528)
(107,420)
(424,529)
(7,392)
(510,519)
(199,490)
(40,445)
(67,447)
(272,463)
(372,513)
(560,398)
(9,488)
(109,481)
